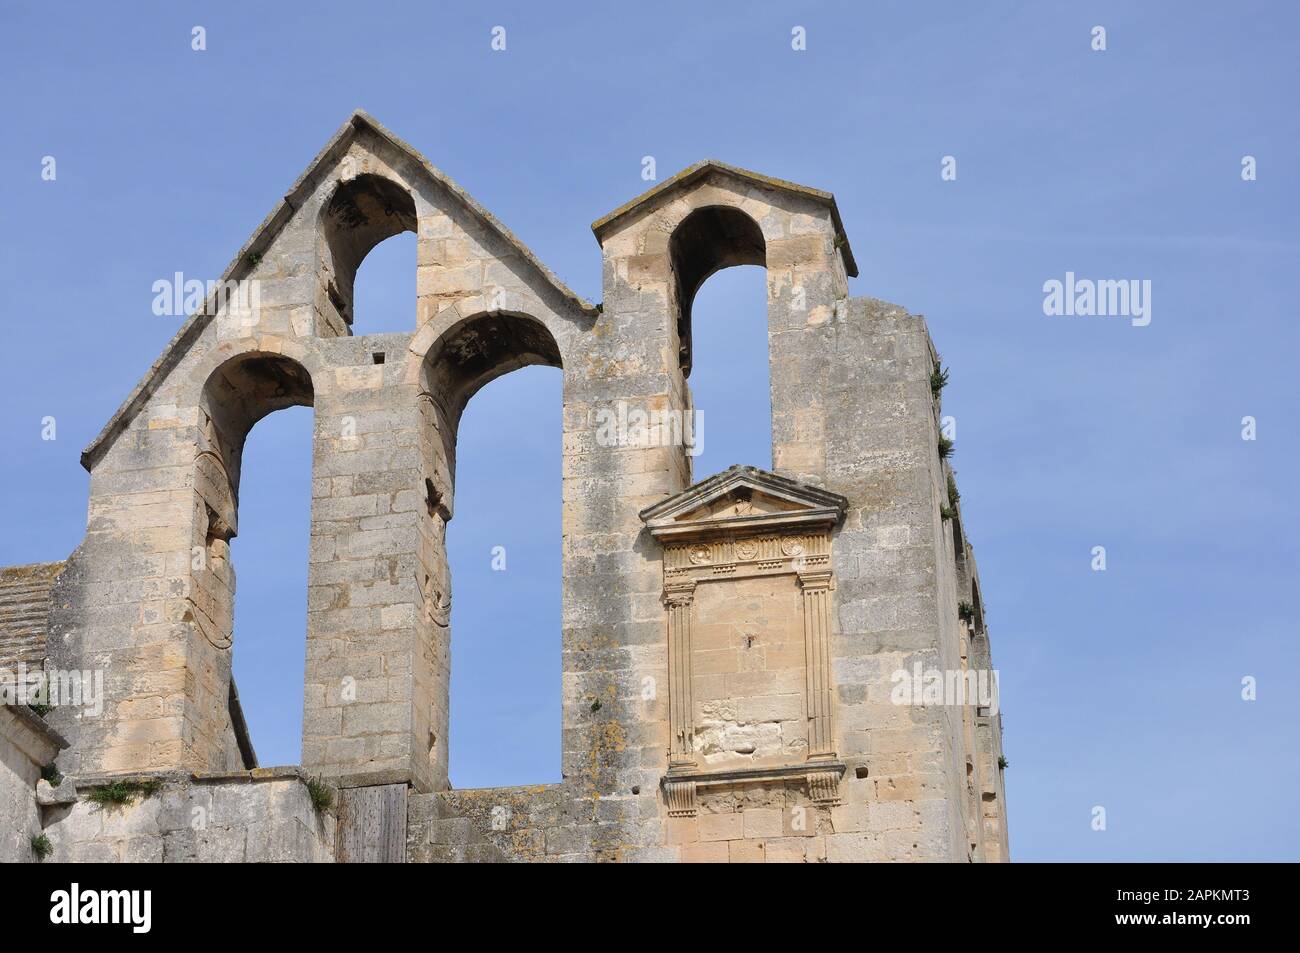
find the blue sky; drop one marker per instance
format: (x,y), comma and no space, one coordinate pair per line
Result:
(1120,688)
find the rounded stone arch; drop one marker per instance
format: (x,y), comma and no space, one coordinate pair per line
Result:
(473,350)
(704,240)
(360,212)
(237,383)
(236,394)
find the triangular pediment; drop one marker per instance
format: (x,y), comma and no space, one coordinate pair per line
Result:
(742,499)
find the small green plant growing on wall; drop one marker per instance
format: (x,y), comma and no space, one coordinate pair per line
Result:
(965,612)
(51,774)
(322,795)
(953,495)
(123,793)
(938,379)
(1003,763)
(42,847)
(945,511)
(945,447)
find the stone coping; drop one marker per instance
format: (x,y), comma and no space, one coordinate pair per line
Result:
(40,572)
(249,776)
(36,723)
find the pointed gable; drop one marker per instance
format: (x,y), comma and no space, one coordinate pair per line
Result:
(247,258)
(667,190)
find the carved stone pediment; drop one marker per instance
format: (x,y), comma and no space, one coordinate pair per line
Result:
(747,582)
(743,501)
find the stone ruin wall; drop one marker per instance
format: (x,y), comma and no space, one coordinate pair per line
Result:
(800,755)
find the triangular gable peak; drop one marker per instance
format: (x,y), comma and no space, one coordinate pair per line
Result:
(743,501)
(247,258)
(667,190)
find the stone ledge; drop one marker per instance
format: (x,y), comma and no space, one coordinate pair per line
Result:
(250,775)
(681,782)
(32,735)
(706,777)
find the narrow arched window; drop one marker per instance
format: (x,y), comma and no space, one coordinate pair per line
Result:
(372,220)
(252,500)
(494,501)
(722,327)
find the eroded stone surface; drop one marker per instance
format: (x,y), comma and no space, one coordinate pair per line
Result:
(750,722)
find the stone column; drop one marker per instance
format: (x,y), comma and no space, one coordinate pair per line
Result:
(681,705)
(816,625)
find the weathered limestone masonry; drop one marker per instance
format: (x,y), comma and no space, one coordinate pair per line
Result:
(27,744)
(728,643)
(260,816)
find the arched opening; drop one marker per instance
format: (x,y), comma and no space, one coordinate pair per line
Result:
(731,387)
(722,326)
(239,394)
(494,461)
(504,552)
(362,213)
(384,298)
(270,646)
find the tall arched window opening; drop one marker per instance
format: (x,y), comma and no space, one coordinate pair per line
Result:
(504,550)
(271,554)
(722,328)
(495,503)
(257,631)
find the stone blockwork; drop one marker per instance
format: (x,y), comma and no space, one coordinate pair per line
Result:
(27,745)
(261,816)
(728,643)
